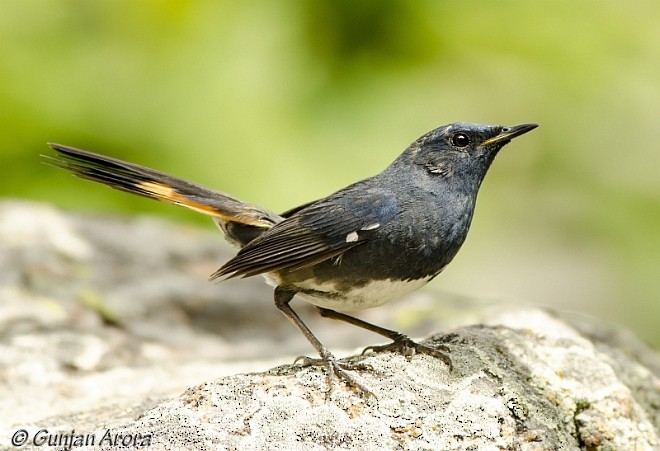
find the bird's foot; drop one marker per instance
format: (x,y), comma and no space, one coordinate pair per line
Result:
(406,346)
(336,369)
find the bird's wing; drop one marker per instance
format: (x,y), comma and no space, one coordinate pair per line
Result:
(315,233)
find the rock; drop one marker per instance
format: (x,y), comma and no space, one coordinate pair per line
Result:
(111,337)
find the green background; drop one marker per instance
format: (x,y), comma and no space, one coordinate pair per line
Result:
(281,102)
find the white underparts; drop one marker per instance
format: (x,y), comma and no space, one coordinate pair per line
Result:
(373,294)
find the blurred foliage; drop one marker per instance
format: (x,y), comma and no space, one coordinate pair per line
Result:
(282,102)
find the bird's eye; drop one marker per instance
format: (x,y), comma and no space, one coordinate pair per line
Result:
(460,140)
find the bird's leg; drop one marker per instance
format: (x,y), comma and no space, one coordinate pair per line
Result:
(400,343)
(333,367)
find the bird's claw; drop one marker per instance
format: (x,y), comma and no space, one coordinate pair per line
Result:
(335,369)
(402,344)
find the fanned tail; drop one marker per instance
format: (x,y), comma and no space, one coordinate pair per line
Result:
(239,220)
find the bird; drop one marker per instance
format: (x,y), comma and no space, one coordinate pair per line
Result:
(369,243)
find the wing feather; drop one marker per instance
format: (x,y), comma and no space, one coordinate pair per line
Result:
(314,233)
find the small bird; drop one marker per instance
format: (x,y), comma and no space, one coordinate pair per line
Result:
(360,247)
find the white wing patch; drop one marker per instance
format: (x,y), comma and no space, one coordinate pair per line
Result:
(354,236)
(373,226)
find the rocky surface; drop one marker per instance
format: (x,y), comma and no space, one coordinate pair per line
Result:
(109,333)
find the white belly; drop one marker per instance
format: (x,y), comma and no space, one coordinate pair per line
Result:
(371,295)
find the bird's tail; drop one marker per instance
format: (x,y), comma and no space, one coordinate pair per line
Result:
(239,220)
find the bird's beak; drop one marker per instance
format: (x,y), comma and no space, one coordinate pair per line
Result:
(508,133)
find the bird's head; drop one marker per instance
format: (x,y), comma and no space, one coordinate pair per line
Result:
(460,150)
